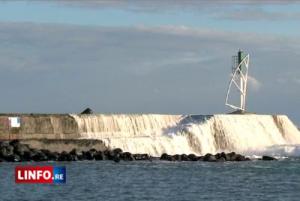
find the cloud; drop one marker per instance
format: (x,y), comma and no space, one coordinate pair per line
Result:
(254,83)
(169,69)
(220,9)
(257,13)
(167,4)
(213,35)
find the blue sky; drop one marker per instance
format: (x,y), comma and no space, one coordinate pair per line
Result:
(146,56)
(110,15)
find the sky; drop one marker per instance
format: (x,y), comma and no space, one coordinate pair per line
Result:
(173,57)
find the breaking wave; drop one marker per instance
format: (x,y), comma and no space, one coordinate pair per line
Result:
(199,134)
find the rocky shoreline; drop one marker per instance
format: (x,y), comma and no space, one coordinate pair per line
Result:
(14,151)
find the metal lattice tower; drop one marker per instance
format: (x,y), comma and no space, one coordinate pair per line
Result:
(239,79)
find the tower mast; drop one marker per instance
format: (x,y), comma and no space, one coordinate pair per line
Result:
(239,79)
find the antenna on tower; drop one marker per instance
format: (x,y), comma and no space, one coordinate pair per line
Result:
(239,79)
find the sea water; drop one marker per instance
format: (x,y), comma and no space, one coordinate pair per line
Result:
(159,180)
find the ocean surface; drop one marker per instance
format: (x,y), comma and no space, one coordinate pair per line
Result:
(157,180)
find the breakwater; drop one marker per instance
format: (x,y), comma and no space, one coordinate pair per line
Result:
(15,151)
(157,134)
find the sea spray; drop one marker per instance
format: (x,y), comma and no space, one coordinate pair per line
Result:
(197,134)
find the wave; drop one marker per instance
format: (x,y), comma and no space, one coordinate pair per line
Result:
(198,134)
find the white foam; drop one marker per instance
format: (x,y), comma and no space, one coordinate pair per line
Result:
(176,134)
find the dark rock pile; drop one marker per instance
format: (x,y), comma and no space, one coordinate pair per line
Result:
(14,151)
(219,157)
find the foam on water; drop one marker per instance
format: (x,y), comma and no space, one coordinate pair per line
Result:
(200,134)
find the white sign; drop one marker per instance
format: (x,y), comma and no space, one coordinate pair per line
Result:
(15,122)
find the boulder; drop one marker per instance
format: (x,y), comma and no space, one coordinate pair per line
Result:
(225,156)
(109,154)
(177,157)
(231,156)
(209,158)
(4,144)
(27,156)
(65,156)
(6,151)
(99,155)
(184,157)
(13,158)
(200,158)
(88,155)
(20,149)
(268,158)
(52,156)
(218,155)
(39,156)
(117,151)
(164,156)
(239,157)
(141,157)
(221,159)
(87,111)
(192,157)
(116,158)
(74,152)
(14,143)
(127,156)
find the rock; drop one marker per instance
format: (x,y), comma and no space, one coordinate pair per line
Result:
(117,158)
(268,158)
(109,154)
(80,156)
(225,156)
(200,158)
(20,149)
(14,143)
(6,151)
(184,157)
(177,157)
(87,111)
(88,155)
(65,156)
(164,156)
(13,158)
(231,156)
(4,143)
(75,155)
(52,156)
(10,150)
(117,151)
(27,156)
(127,156)
(221,159)
(239,157)
(167,157)
(141,157)
(3,152)
(192,157)
(74,152)
(218,155)
(209,158)
(99,155)
(39,156)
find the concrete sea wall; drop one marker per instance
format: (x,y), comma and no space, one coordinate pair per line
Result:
(39,126)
